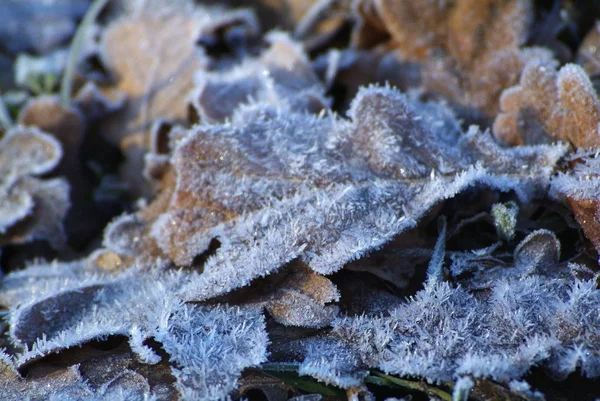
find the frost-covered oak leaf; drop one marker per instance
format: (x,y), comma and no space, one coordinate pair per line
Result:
(92,382)
(153,58)
(548,104)
(588,55)
(468,51)
(533,311)
(274,185)
(54,307)
(579,188)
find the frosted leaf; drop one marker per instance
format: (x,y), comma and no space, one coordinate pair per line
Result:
(69,126)
(579,189)
(526,318)
(275,185)
(127,386)
(123,234)
(31,208)
(66,385)
(73,383)
(587,55)
(539,250)
(45,221)
(281,75)
(27,151)
(302,298)
(451,25)
(444,41)
(15,206)
(471,261)
(70,305)
(561,105)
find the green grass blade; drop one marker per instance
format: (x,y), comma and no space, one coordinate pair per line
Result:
(66,86)
(381,379)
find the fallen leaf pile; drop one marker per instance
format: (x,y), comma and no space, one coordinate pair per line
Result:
(223,211)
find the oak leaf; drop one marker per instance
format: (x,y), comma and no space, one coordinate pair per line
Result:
(468,50)
(153,58)
(549,104)
(275,185)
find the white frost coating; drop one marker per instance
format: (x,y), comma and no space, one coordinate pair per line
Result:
(540,316)
(333,363)
(281,76)
(583,180)
(523,388)
(136,342)
(324,190)
(139,305)
(435,273)
(211,346)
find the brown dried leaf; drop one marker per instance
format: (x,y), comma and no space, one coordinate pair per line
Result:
(579,189)
(66,383)
(87,372)
(301,300)
(561,105)
(275,185)
(154,58)
(469,50)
